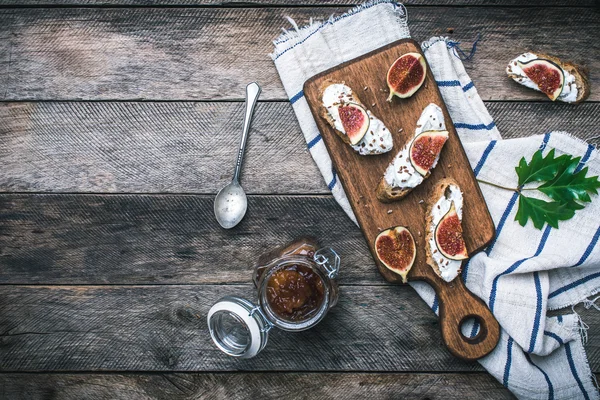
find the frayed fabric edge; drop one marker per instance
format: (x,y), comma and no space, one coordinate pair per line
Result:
(428,43)
(298,35)
(582,328)
(452,44)
(595,152)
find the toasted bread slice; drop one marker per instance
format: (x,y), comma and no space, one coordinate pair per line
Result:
(387,193)
(401,177)
(323,111)
(437,192)
(579,72)
(376,140)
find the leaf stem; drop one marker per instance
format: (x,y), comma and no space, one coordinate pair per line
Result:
(498,186)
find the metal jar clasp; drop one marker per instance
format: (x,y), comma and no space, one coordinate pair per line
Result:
(329,260)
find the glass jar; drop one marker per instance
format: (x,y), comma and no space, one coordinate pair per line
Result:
(296,287)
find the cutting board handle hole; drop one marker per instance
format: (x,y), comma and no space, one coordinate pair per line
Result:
(473,329)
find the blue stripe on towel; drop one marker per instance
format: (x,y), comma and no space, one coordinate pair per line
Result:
(465,271)
(517,265)
(585,158)
(316,140)
(333,181)
(508,361)
(592,244)
(574,371)
(476,171)
(447,83)
(474,329)
(559,318)
(484,157)
(538,312)
(589,249)
(455,83)
(509,208)
(510,205)
(468,86)
(574,284)
(550,387)
(435,304)
(297,97)
(554,336)
(476,127)
(545,141)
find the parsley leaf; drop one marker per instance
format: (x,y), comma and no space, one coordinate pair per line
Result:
(540,168)
(541,211)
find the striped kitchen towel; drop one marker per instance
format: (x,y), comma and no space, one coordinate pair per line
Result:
(525,272)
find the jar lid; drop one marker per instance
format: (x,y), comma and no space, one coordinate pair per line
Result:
(238,327)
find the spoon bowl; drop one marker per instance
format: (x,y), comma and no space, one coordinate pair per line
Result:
(230,205)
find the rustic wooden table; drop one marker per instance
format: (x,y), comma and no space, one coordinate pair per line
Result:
(119,121)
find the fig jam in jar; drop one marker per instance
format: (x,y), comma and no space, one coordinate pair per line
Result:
(296,287)
(295,292)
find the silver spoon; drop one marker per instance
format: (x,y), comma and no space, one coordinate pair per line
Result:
(231,202)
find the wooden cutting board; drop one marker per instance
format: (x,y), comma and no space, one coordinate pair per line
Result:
(360,175)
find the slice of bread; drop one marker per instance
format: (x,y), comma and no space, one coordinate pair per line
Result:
(323,110)
(579,72)
(437,191)
(387,193)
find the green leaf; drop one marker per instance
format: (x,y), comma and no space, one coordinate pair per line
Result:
(570,185)
(561,182)
(540,211)
(540,168)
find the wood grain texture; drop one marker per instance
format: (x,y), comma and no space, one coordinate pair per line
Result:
(207,53)
(244,385)
(138,239)
(163,239)
(360,176)
(191,147)
(287,3)
(163,328)
(151,147)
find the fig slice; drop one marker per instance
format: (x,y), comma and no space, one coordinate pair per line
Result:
(355,120)
(548,76)
(395,248)
(449,238)
(425,149)
(406,75)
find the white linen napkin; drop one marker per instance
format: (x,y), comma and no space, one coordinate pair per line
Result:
(525,271)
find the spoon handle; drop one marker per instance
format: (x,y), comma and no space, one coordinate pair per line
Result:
(252,93)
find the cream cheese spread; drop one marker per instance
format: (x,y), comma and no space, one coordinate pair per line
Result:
(401,173)
(377,140)
(569,91)
(449,269)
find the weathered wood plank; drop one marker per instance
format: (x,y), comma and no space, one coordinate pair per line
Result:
(316,386)
(166,239)
(163,328)
(185,147)
(296,3)
(151,147)
(208,53)
(72,239)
